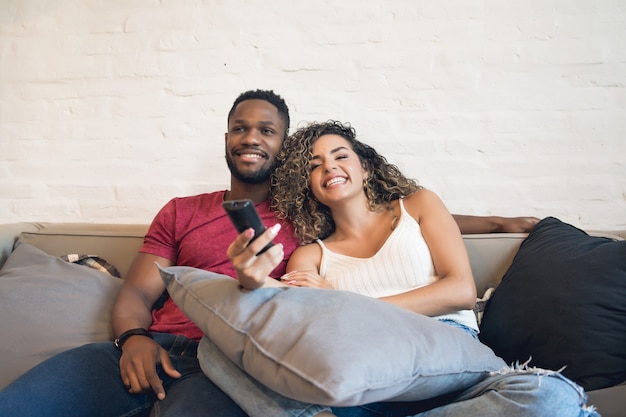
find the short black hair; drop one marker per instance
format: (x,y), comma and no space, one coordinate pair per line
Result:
(267,95)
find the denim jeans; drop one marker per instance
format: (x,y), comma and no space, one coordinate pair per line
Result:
(85,381)
(512,392)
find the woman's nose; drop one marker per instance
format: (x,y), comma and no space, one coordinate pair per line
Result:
(329,166)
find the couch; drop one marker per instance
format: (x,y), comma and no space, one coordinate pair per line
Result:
(491,256)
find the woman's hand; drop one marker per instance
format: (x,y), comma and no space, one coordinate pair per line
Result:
(305,279)
(253,270)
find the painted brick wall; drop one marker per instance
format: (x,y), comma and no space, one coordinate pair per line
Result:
(110,108)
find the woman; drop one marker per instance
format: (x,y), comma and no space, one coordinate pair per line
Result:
(366,228)
(376,232)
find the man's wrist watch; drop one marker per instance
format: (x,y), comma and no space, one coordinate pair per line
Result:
(128,333)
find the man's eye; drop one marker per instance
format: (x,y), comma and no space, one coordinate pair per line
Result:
(268,131)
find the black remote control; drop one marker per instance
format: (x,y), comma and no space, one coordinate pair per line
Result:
(243,215)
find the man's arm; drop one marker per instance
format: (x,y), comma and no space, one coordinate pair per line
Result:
(494,224)
(132,310)
(142,287)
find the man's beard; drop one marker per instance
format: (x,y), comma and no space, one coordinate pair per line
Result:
(258,177)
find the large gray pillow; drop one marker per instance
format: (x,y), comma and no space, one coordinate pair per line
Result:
(329,347)
(48,305)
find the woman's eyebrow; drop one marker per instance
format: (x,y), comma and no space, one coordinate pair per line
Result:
(337,149)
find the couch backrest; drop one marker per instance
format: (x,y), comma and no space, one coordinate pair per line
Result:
(490,254)
(117,244)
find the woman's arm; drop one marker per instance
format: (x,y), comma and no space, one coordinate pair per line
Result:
(455,289)
(303,268)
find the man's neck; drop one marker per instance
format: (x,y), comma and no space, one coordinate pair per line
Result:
(255,192)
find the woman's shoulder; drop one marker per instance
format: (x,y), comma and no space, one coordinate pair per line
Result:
(309,253)
(421,196)
(421,202)
(309,248)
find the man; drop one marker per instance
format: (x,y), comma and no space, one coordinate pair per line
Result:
(152,367)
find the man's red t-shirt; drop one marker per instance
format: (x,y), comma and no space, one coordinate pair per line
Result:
(195,231)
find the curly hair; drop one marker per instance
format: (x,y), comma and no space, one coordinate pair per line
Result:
(291,195)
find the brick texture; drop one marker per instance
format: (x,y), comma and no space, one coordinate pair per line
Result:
(108,109)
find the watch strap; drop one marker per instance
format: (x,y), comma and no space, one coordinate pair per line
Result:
(128,333)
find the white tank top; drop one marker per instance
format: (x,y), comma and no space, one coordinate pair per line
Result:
(403,263)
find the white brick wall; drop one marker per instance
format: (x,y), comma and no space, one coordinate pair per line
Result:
(108,109)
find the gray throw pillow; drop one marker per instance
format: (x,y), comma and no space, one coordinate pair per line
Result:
(326,346)
(48,305)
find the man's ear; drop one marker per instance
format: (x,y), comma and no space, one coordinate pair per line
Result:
(225,137)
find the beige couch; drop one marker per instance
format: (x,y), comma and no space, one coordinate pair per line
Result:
(490,255)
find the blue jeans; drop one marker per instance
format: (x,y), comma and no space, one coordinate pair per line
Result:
(512,392)
(85,381)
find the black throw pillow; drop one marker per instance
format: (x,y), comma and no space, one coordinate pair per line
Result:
(562,302)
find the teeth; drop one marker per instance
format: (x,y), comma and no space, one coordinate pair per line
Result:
(335,180)
(250,155)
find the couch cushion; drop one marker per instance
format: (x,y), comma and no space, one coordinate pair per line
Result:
(329,347)
(48,305)
(562,303)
